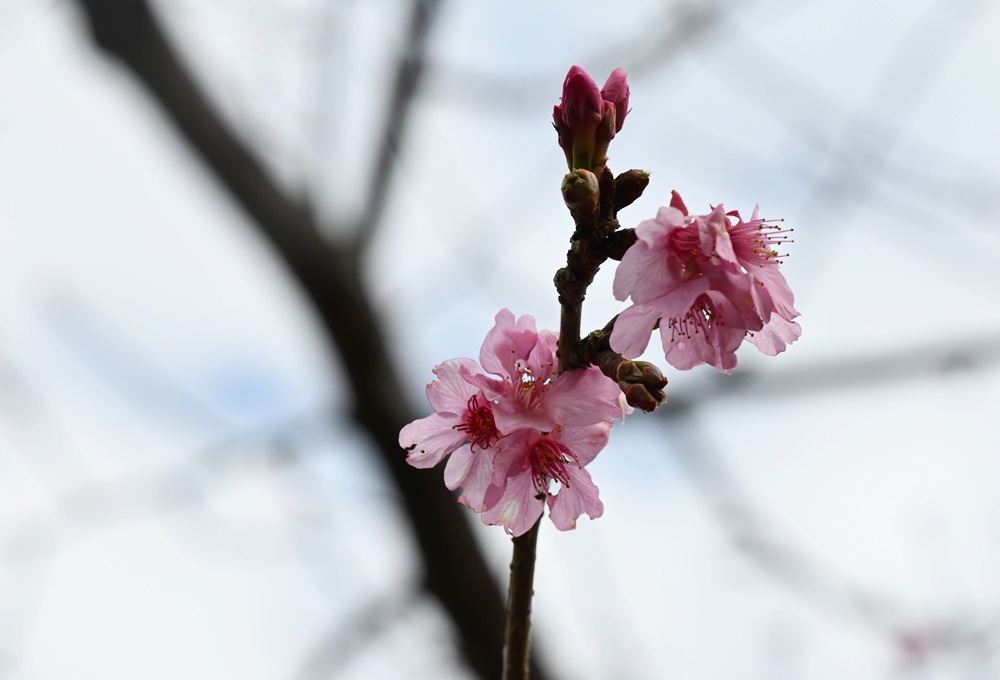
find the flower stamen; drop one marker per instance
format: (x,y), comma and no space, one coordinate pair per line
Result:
(478,424)
(548,460)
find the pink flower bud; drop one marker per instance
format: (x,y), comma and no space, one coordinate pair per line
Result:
(651,375)
(577,116)
(641,397)
(582,102)
(616,93)
(588,118)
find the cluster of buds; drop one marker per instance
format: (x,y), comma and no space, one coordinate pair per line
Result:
(640,381)
(588,117)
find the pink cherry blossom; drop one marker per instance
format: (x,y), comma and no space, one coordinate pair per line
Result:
(707,283)
(514,392)
(754,244)
(527,466)
(462,426)
(525,387)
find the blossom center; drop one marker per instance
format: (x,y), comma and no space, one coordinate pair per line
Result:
(685,242)
(478,424)
(699,319)
(527,389)
(548,460)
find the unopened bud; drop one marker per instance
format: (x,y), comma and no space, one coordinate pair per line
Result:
(651,375)
(629,186)
(619,242)
(642,383)
(603,135)
(577,116)
(581,192)
(628,372)
(582,103)
(641,398)
(616,93)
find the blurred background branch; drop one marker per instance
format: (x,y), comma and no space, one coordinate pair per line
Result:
(331,278)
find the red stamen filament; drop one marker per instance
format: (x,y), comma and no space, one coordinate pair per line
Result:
(548,461)
(479,425)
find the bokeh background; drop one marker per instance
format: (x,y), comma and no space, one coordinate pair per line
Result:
(190,486)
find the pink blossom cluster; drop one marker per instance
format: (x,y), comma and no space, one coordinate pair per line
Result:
(519,433)
(709,281)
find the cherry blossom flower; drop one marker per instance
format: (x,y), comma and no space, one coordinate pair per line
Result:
(530,463)
(513,391)
(462,426)
(754,244)
(708,283)
(527,391)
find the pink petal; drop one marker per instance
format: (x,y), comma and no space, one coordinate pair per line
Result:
(633,327)
(430,439)
(491,387)
(674,304)
(643,274)
(541,361)
(775,283)
(685,353)
(516,509)
(762,301)
(472,470)
(507,342)
(579,497)
(585,442)
(451,392)
(654,232)
(776,335)
(510,418)
(715,241)
(511,454)
(582,397)
(677,203)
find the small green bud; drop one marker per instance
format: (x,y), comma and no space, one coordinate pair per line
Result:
(581,192)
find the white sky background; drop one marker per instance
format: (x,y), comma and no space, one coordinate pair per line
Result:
(173,502)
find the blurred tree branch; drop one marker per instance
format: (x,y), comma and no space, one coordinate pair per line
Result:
(331,279)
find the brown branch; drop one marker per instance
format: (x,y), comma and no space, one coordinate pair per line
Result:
(517,639)
(456,572)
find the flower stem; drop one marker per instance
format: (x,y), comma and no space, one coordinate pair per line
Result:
(517,638)
(584,258)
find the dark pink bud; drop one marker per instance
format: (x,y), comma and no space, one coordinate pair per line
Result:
(582,102)
(651,375)
(640,397)
(616,92)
